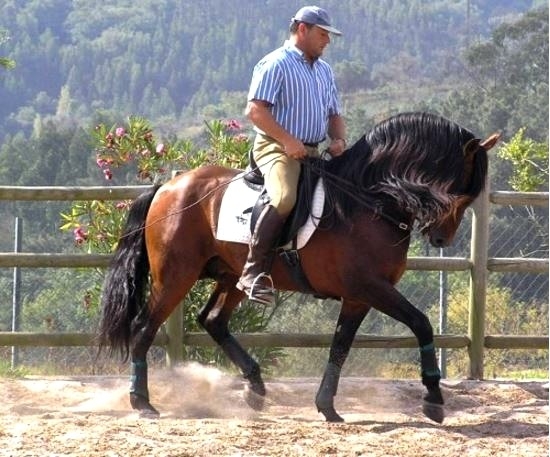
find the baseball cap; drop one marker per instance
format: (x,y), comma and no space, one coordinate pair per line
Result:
(315,16)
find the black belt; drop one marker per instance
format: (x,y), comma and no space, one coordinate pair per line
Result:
(311,145)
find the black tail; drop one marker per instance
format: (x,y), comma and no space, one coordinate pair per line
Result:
(123,300)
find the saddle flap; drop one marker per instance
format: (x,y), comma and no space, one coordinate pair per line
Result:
(239,200)
(300,213)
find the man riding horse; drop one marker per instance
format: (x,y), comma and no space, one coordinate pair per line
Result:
(293,105)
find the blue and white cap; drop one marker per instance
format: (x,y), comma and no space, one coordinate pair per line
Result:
(315,16)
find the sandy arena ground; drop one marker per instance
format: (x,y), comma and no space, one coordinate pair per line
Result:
(203,414)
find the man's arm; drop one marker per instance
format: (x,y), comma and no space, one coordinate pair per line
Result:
(337,134)
(259,114)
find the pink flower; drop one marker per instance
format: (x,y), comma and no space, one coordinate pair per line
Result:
(101,162)
(120,132)
(160,149)
(241,138)
(79,235)
(233,124)
(121,205)
(108,174)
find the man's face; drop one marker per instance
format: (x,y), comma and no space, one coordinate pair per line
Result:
(315,39)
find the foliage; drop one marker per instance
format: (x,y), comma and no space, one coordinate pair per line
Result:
(4,61)
(133,149)
(530,162)
(70,314)
(7,371)
(156,58)
(508,79)
(505,316)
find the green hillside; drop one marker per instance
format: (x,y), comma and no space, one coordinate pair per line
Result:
(168,58)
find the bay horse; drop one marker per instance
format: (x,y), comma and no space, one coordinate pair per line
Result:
(412,171)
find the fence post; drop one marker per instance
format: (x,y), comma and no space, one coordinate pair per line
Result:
(16,291)
(174,331)
(478,282)
(443,307)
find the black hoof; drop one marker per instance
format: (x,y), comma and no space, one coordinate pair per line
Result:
(434,412)
(143,406)
(254,395)
(331,415)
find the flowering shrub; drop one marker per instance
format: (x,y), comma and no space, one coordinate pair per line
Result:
(133,149)
(97,225)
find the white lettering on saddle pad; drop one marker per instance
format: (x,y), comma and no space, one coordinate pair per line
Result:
(236,210)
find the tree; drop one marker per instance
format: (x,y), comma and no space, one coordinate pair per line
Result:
(508,77)
(530,162)
(4,61)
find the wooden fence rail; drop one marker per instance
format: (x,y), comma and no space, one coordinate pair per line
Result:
(171,336)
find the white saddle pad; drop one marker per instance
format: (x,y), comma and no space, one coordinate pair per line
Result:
(236,210)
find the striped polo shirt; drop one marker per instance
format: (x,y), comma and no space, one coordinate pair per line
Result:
(302,96)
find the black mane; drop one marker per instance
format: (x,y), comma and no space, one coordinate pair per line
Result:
(415,161)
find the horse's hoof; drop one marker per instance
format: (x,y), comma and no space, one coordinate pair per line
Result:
(331,415)
(255,397)
(149,413)
(434,411)
(143,406)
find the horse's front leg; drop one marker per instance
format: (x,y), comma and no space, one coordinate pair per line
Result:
(214,317)
(431,375)
(351,316)
(392,303)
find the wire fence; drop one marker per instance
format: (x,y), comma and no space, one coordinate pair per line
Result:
(517,305)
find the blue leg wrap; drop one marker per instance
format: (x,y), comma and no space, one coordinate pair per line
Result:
(427,348)
(428,362)
(138,378)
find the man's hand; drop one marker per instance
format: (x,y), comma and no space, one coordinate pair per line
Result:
(295,149)
(337,147)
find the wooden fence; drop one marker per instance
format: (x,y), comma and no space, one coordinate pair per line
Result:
(173,339)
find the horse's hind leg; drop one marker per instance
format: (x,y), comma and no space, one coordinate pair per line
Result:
(161,305)
(139,390)
(214,317)
(351,316)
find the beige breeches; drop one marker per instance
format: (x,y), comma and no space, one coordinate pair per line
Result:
(281,173)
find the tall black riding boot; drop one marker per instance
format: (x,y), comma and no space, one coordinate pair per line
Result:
(255,279)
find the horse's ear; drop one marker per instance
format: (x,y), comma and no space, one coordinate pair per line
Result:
(489,142)
(470,147)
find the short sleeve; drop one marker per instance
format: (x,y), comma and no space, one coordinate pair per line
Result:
(266,82)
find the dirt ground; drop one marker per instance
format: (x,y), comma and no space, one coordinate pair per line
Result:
(203,414)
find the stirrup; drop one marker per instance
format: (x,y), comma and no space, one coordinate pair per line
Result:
(259,292)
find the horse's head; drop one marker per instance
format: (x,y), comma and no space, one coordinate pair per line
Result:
(418,167)
(442,232)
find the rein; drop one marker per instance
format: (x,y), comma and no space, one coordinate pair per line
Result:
(351,191)
(308,166)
